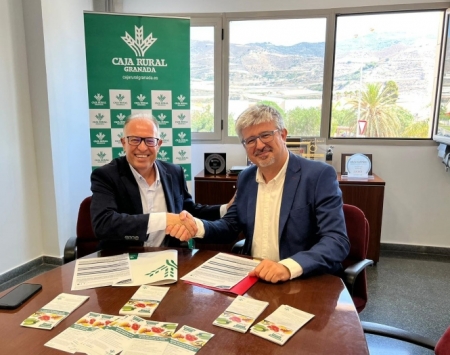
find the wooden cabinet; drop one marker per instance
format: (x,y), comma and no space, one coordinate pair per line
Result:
(368,195)
(214,189)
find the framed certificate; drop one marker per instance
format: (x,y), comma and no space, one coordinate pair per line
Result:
(356,164)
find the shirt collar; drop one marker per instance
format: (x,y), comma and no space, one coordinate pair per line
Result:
(281,173)
(139,177)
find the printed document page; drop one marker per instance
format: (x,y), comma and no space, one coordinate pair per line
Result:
(99,272)
(222,271)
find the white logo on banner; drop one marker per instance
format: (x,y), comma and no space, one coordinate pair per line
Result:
(180,102)
(138,44)
(98,100)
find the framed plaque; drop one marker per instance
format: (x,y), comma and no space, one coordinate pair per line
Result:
(356,164)
(215,163)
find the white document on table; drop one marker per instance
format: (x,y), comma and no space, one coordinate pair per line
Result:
(221,271)
(99,272)
(152,268)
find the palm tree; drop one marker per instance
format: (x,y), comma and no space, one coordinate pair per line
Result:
(377,106)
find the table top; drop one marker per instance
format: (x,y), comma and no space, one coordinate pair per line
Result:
(335,329)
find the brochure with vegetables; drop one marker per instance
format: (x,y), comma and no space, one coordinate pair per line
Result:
(113,338)
(281,324)
(69,339)
(54,312)
(152,268)
(130,334)
(187,341)
(152,338)
(144,302)
(240,314)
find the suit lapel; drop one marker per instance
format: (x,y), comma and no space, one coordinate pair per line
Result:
(131,185)
(166,181)
(291,183)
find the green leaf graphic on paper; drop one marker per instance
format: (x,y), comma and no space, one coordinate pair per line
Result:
(141,97)
(169,269)
(98,97)
(99,116)
(120,97)
(161,98)
(181,117)
(121,117)
(161,117)
(101,155)
(181,98)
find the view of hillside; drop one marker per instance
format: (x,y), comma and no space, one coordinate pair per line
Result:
(401,66)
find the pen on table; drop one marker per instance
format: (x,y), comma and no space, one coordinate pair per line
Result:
(191,244)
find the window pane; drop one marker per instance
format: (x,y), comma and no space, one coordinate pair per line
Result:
(202,79)
(278,62)
(385,66)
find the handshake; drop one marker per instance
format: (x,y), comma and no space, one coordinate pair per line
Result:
(181,226)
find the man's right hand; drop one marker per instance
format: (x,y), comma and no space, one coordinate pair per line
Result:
(182,226)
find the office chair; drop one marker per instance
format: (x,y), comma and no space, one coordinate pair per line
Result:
(355,264)
(442,347)
(85,242)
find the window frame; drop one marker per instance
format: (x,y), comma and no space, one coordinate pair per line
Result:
(220,136)
(216,23)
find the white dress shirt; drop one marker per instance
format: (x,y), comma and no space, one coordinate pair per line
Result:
(265,244)
(153,203)
(266,241)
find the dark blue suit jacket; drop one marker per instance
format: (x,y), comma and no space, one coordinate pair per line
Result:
(312,226)
(116,207)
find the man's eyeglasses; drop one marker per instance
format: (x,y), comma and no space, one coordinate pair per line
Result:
(149,141)
(264,137)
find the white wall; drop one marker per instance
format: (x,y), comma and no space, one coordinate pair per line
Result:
(417,192)
(45,147)
(20,232)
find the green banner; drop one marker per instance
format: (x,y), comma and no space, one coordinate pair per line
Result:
(138,64)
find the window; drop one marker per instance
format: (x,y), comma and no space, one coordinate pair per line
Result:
(332,74)
(384,75)
(205,78)
(267,66)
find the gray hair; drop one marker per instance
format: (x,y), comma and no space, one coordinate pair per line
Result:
(258,114)
(141,116)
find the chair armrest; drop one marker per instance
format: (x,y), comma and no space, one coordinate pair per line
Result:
(70,250)
(238,247)
(352,272)
(399,334)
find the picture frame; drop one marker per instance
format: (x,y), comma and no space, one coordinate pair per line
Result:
(346,156)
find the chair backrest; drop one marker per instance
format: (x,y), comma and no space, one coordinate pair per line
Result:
(358,234)
(86,242)
(443,344)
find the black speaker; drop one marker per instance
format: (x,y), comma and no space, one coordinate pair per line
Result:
(215,163)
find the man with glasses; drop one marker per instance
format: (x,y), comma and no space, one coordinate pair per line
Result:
(289,208)
(135,197)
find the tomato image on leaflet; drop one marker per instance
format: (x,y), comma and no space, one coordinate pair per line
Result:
(191,337)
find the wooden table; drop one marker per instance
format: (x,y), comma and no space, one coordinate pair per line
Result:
(335,329)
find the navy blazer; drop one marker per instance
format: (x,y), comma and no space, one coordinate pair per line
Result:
(312,226)
(116,207)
